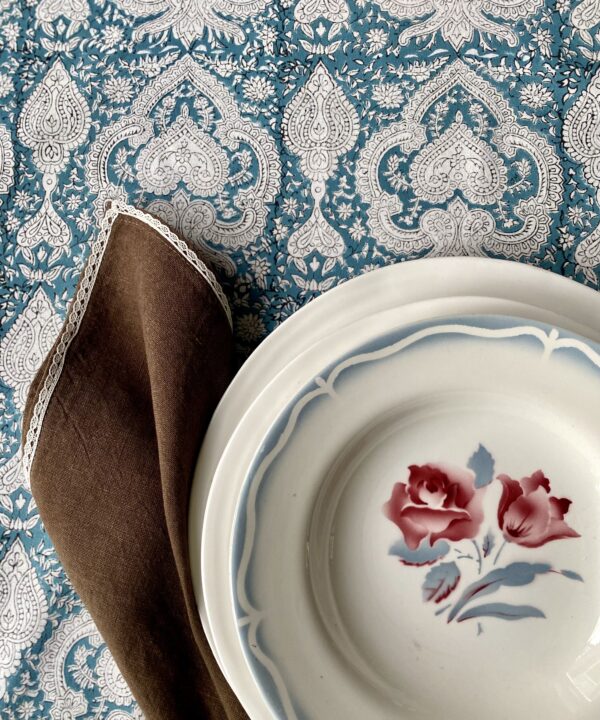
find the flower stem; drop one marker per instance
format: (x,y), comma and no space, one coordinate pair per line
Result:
(499,552)
(479,558)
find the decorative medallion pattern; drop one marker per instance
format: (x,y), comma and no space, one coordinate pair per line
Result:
(432,156)
(308,11)
(210,155)
(77,11)
(67,657)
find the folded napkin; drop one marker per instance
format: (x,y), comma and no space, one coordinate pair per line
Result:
(112,427)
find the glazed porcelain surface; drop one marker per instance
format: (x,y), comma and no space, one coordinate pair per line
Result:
(423,511)
(403,294)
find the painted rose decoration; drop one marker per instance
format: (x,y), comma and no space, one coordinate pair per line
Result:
(528,515)
(439,502)
(440,506)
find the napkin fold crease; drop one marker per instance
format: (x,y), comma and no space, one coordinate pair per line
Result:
(112,427)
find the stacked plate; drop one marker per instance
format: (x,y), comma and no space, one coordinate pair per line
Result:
(394,513)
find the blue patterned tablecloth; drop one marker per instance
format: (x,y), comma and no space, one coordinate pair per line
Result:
(297,144)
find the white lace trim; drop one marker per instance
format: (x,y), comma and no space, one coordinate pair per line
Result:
(80,302)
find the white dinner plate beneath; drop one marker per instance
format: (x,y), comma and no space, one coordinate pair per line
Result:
(539,295)
(423,513)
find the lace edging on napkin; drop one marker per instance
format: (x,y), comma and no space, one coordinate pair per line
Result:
(80,302)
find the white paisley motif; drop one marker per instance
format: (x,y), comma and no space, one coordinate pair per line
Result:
(184,151)
(319,125)
(110,681)
(69,706)
(23,609)
(54,120)
(585,17)
(53,665)
(458,19)
(587,254)
(581,132)
(7,158)
(308,11)
(457,230)
(189,19)
(77,11)
(12,475)
(458,161)
(134,714)
(56,658)
(26,344)
(190,218)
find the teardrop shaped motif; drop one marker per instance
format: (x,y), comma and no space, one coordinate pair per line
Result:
(47,226)
(320,124)
(54,120)
(184,153)
(26,344)
(23,609)
(581,131)
(316,235)
(585,17)
(459,160)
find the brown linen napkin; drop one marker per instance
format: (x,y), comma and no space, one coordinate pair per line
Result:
(112,427)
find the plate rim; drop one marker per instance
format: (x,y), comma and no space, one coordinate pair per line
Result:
(401,286)
(550,339)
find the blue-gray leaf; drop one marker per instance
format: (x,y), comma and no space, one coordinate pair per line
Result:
(440,581)
(481,463)
(421,556)
(503,611)
(571,575)
(513,575)
(488,543)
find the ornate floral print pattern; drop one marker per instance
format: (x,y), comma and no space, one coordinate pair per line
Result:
(410,168)
(440,506)
(296,143)
(458,19)
(23,609)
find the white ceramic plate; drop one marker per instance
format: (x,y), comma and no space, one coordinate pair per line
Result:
(423,513)
(543,296)
(227,484)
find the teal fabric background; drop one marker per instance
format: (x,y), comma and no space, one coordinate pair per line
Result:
(296,144)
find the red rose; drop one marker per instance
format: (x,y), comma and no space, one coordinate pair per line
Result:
(528,515)
(438,502)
